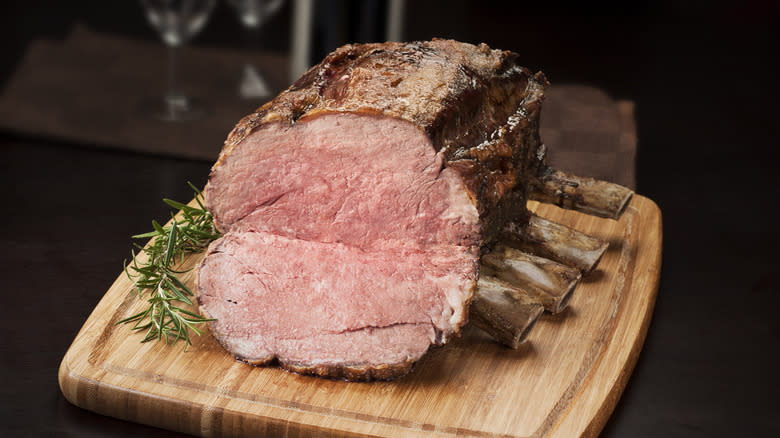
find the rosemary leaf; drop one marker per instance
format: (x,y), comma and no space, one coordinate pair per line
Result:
(181,285)
(158,228)
(169,251)
(145,235)
(183,207)
(179,295)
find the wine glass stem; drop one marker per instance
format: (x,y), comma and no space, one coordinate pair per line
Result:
(172,93)
(250,35)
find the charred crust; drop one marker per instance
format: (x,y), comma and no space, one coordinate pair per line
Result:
(541,79)
(353,373)
(306,80)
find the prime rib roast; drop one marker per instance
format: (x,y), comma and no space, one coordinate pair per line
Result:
(379,201)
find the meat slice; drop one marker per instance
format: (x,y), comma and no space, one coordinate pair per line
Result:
(349,306)
(354,206)
(356,179)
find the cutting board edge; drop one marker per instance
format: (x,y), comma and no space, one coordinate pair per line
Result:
(89,388)
(650,276)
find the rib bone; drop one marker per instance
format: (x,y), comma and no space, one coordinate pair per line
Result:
(540,262)
(587,195)
(554,241)
(503,311)
(546,281)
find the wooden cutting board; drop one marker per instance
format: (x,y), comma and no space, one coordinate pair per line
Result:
(564,382)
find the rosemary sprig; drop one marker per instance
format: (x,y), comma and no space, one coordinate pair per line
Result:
(155,278)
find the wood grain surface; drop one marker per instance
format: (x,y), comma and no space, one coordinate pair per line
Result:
(563,382)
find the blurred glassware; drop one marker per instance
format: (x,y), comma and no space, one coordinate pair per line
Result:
(253,14)
(177,22)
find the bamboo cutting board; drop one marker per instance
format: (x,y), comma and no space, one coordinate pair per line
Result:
(564,381)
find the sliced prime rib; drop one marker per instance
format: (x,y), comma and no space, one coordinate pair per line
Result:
(355,206)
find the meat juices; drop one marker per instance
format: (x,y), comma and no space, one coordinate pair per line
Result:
(354,206)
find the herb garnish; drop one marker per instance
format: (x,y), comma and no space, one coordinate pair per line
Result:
(155,278)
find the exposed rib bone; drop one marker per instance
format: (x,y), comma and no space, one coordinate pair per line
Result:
(504,312)
(515,286)
(546,281)
(554,241)
(587,195)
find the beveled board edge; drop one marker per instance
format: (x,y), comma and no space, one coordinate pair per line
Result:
(625,341)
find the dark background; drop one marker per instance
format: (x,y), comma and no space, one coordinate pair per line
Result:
(704,81)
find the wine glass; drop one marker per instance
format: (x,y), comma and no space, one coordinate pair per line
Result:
(253,14)
(177,21)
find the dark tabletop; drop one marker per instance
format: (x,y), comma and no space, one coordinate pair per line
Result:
(705,96)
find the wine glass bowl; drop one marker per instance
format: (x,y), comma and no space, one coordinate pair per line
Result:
(176,22)
(253,13)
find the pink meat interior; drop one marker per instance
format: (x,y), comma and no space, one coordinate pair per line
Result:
(342,233)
